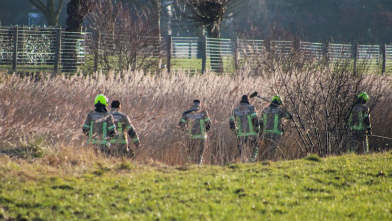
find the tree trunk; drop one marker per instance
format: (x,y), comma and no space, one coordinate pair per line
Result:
(51,16)
(213,31)
(50,12)
(76,10)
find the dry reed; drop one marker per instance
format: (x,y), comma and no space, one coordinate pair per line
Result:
(54,109)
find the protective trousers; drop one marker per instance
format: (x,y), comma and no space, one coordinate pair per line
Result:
(271,143)
(196,150)
(101,149)
(359,142)
(119,150)
(247,143)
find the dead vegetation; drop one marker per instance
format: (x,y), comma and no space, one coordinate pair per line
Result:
(41,117)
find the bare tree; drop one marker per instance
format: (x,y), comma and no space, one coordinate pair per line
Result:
(77,11)
(319,95)
(124,35)
(208,13)
(49,10)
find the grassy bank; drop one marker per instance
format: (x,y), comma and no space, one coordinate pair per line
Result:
(348,187)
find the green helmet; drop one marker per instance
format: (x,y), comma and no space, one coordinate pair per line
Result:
(277,99)
(101,99)
(363,96)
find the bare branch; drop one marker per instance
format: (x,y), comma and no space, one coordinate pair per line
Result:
(60,7)
(39,5)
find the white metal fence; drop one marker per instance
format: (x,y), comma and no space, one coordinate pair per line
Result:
(185,52)
(339,52)
(41,48)
(312,49)
(219,54)
(369,54)
(388,58)
(6,46)
(54,49)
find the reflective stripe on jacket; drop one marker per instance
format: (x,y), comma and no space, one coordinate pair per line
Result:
(244,120)
(98,125)
(359,119)
(271,119)
(124,126)
(196,121)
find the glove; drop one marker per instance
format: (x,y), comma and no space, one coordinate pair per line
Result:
(111,133)
(86,131)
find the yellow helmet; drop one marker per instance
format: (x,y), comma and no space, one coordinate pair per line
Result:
(276,99)
(363,96)
(101,99)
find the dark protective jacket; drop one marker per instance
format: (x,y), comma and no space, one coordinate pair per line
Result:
(271,119)
(243,121)
(196,121)
(124,127)
(99,126)
(359,120)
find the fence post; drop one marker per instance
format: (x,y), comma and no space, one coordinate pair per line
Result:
(384,58)
(297,44)
(326,52)
(190,50)
(169,52)
(267,45)
(96,53)
(58,51)
(236,53)
(204,55)
(355,55)
(15,51)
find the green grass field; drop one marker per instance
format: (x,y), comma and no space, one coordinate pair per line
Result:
(348,187)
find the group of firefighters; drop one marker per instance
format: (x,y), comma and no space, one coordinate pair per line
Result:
(108,130)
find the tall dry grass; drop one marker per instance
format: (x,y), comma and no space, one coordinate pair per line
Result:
(54,109)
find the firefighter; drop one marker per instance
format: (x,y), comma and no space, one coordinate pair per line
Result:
(359,125)
(119,143)
(99,125)
(271,124)
(244,123)
(197,122)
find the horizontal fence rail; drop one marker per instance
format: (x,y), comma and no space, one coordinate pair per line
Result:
(186,53)
(26,48)
(185,47)
(73,50)
(282,48)
(387,59)
(219,54)
(53,49)
(339,52)
(250,48)
(6,46)
(311,49)
(369,54)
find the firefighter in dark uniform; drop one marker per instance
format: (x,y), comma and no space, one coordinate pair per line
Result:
(197,122)
(99,125)
(119,143)
(271,124)
(359,125)
(244,123)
